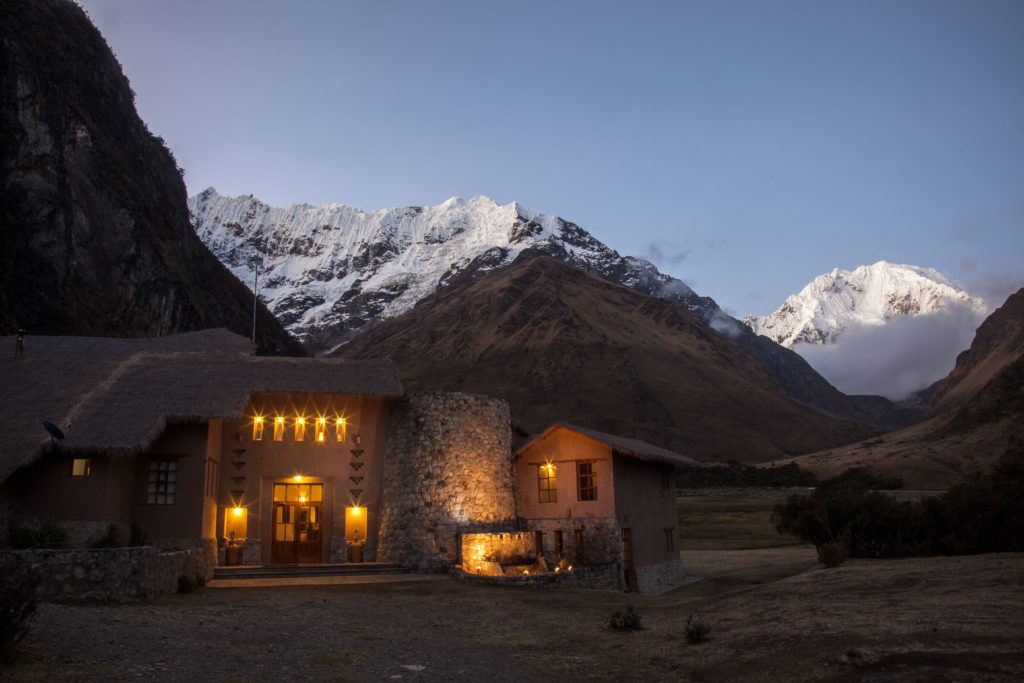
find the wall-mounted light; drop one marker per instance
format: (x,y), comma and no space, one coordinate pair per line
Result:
(300,429)
(297,477)
(279,429)
(321,428)
(237,511)
(257,428)
(340,429)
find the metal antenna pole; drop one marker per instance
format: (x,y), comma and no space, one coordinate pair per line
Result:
(255,298)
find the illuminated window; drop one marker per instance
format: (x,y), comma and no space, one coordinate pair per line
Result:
(279,429)
(257,429)
(81,467)
(546,480)
(340,429)
(321,429)
(300,429)
(163,482)
(586,481)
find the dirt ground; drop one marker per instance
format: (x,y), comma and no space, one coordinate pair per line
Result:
(775,615)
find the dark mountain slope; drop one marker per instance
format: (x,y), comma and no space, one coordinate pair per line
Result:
(561,344)
(95,236)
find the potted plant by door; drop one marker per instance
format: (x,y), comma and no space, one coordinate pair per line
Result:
(233,553)
(355,548)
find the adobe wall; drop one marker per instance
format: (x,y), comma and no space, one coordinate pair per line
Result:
(447,470)
(109,574)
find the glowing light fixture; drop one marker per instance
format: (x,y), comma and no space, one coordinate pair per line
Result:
(340,429)
(257,428)
(321,427)
(279,429)
(297,477)
(300,429)
(238,511)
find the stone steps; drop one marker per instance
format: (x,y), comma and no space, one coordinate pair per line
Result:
(289,571)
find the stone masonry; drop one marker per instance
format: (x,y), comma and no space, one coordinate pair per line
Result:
(447,470)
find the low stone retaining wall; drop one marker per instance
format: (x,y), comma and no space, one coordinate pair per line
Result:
(659,578)
(110,574)
(599,576)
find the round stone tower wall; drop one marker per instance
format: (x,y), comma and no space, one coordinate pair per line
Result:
(447,469)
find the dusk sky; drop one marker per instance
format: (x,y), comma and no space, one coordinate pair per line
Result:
(744,147)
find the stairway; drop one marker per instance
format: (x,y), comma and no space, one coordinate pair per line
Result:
(291,571)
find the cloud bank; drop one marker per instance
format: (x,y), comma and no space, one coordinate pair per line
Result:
(896,359)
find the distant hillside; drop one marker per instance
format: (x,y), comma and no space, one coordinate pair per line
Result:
(561,344)
(94,219)
(976,415)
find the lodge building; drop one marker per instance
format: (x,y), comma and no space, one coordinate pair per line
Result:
(192,439)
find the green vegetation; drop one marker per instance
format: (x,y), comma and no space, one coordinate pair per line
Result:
(737,474)
(983,515)
(17,604)
(625,621)
(697,631)
(733,520)
(23,534)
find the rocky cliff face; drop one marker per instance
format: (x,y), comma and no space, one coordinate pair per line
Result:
(94,219)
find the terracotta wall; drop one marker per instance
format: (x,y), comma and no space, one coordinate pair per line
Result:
(564,449)
(645,503)
(350,470)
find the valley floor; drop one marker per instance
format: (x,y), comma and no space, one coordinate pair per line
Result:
(775,614)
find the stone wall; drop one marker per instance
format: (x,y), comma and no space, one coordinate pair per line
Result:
(661,577)
(607,576)
(447,470)
(110,574)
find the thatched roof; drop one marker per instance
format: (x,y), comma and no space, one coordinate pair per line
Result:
(119,394)
(634,448)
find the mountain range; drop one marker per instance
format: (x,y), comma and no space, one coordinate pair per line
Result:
(869,295)
(331,273)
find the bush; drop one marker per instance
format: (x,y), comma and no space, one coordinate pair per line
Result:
(832,554)
(625,621)
(22,535)
(696,630)
(980,516)
(138,535)
(17,603)
(186,584)
(110,539)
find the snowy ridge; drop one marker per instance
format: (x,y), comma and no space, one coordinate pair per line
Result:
(328,271)
(868,295)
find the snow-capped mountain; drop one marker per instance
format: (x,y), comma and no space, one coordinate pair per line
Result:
(329,271)
(869,295)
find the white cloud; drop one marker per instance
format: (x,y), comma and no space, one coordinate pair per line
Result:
(896,359)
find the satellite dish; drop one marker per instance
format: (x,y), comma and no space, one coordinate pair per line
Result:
(54,430)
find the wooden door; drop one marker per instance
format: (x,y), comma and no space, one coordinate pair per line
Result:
(298,523)
(627,559)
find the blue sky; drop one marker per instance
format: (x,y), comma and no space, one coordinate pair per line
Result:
(745,147)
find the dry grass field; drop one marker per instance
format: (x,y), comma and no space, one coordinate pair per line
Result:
(774,613)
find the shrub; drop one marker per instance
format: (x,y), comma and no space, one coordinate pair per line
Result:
(832,554)
(186,584)
(17,603)
(138,535)
(22,534)
(697,631)
(625,621)
(110,539)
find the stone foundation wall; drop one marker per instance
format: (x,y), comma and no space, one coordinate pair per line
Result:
(659,578)
(110,574)
(601,540)
(502,548)
(447,470)
(607,576)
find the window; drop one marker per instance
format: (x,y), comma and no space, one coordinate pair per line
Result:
(300,429)
(547,482)
(163,482)
(257,429)
(81,467)
(586,481)
(321,429)
(279,429)
(340,431)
